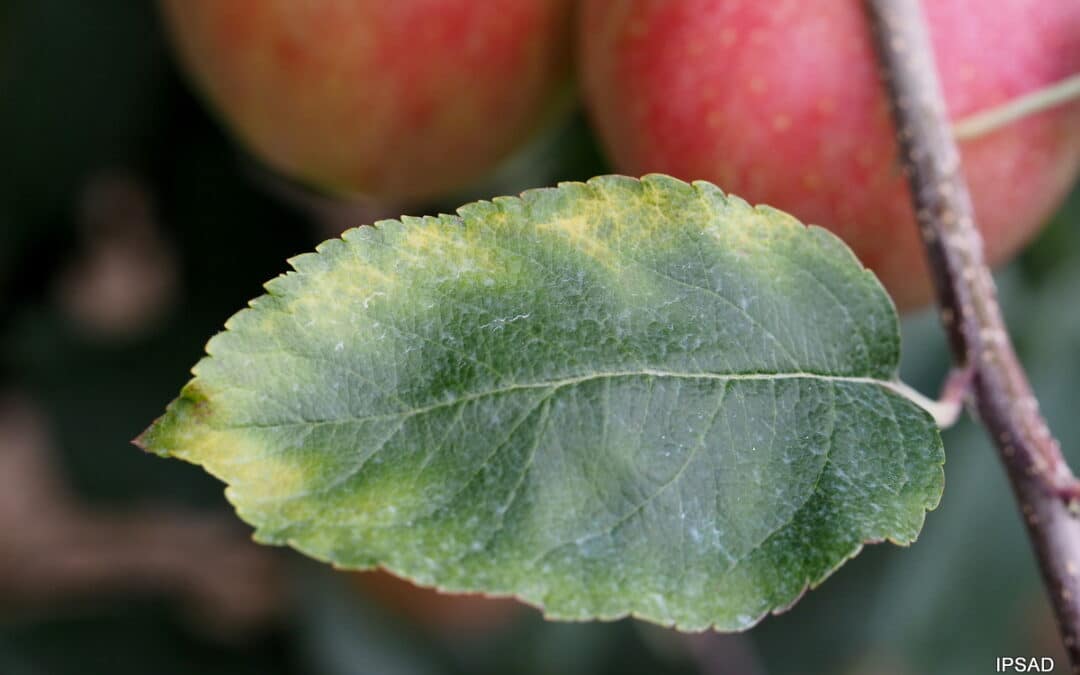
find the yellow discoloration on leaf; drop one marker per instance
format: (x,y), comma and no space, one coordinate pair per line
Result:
(435,244)
(228,454)
(581,233)
(357,283)
(360,275)
(429,237)
(378,504)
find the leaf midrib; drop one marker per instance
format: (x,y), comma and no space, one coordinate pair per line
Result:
(894,386)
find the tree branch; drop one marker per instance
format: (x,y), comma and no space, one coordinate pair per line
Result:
(1044,486)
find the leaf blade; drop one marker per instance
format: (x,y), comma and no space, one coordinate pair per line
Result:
(603,398)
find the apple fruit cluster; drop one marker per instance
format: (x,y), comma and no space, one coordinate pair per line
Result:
(777,102)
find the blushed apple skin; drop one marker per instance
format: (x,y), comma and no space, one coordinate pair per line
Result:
(447,613)
(394,99)
(779,102)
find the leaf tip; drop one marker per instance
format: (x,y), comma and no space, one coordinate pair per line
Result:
(150,441)
(141,441)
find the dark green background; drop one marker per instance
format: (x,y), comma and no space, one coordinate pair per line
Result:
(87,87)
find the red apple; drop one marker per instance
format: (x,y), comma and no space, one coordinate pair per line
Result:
(395,99)
(779,102)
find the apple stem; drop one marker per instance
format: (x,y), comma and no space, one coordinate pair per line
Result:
(1037,101)
(1001,396)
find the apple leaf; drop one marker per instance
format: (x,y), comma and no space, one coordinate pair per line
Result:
(620,397)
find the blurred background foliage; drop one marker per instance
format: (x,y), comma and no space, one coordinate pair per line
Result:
(131,228)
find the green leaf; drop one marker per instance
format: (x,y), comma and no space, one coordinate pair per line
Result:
(620,397)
